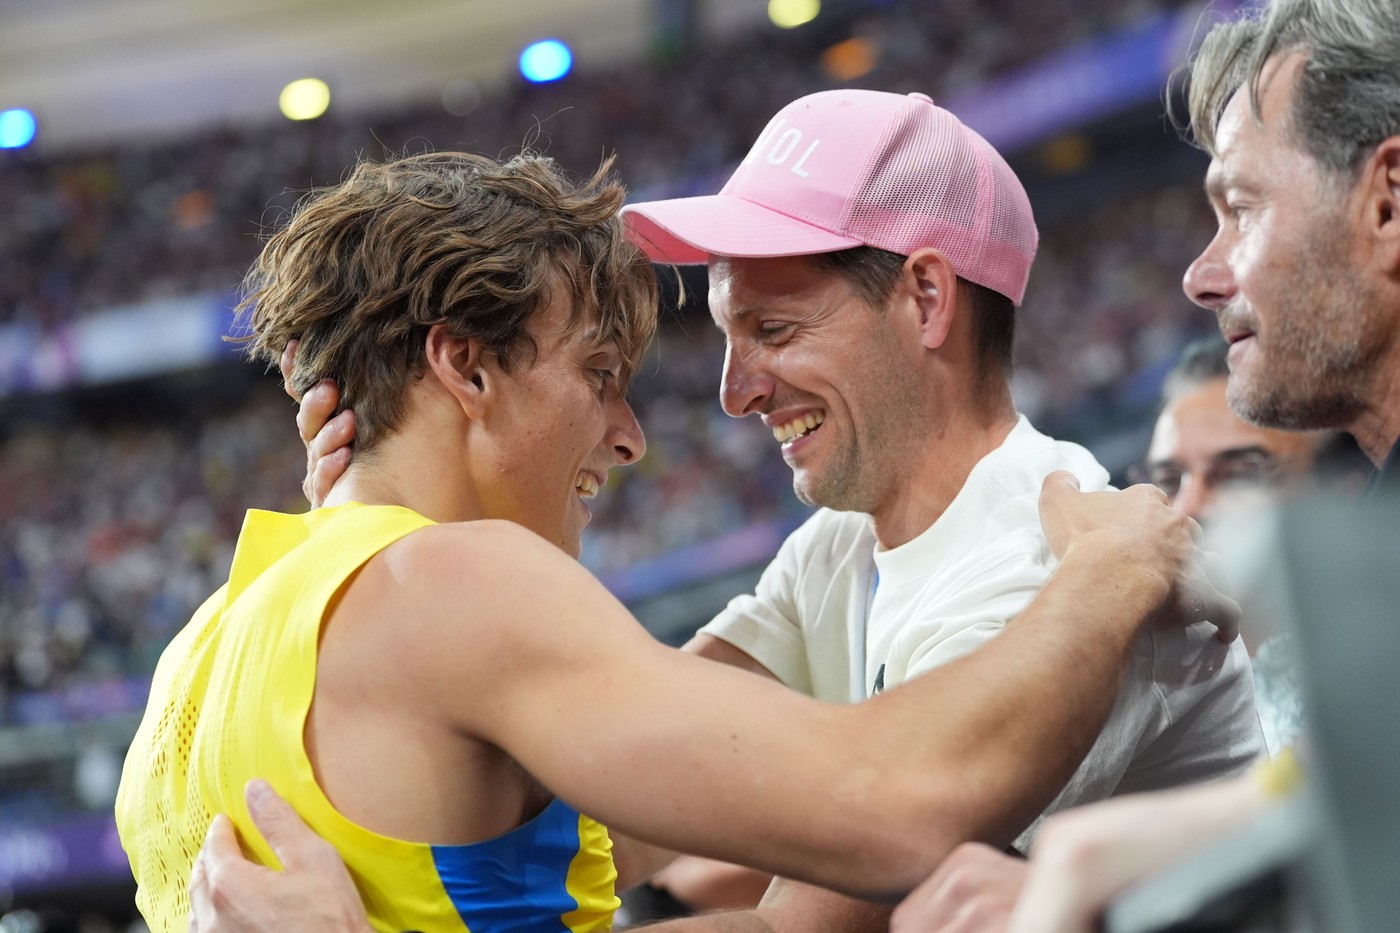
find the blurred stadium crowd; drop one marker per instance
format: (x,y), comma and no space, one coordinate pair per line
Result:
(113,530)
(87,232)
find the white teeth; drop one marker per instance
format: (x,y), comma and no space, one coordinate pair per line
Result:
(797,427)
(586,486)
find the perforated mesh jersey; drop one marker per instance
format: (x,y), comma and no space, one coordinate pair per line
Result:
(229,702)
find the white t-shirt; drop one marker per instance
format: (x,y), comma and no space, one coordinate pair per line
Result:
(827,624)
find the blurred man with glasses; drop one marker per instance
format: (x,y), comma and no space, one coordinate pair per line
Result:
(1211,463)
(1206,458)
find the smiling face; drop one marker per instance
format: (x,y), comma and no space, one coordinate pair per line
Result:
(1304,329)
(830,375)
(556,427)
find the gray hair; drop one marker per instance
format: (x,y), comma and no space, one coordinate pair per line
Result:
(1347,99)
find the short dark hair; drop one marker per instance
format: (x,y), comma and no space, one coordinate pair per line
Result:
(993,327)
(873,272)
(1201,361)
(870,271)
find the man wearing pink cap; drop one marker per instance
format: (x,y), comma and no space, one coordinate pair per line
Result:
(866,259)
(865,262)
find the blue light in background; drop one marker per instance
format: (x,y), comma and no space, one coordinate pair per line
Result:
(17,128)
(547,60)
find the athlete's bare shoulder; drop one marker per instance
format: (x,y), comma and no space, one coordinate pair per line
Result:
(469,549)
(409,664)
(470,600)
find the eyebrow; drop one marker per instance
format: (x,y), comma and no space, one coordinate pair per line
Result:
(1218,181)
(593,337)
(738,317)
(1242,453)
(1225,456)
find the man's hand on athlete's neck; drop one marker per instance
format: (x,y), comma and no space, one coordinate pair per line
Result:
(326,435)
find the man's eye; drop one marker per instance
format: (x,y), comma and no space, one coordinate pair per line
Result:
(1243,473)
(606,375)
(773,328)
(1166,479)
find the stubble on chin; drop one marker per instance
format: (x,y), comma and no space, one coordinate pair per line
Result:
(1294,408)
(1314,364)
(830,489)
(1318,384)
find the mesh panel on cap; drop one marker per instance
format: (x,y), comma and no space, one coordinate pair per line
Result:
(921,189)
(1012,229)
(932,182)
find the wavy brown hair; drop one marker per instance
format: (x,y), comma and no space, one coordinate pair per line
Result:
(360,272)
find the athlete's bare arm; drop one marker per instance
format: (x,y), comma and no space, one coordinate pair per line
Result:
(941,780)
(636,860)
(521,648)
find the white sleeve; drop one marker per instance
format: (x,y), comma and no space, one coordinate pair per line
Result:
(960,619)
(1185,714)
(766,625)
(1208,694)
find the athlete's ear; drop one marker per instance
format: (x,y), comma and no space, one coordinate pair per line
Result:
(462,367)
(932,284)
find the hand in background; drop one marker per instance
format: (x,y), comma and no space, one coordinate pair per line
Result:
(1083,858)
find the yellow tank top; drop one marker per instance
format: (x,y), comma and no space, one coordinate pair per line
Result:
(229,701)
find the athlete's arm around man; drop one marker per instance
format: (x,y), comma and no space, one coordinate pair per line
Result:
(872,795)
(591,661)
(863,799)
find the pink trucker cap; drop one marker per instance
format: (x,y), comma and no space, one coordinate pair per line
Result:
(849,168)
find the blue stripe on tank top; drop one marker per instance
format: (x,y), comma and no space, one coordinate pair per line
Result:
(515,883)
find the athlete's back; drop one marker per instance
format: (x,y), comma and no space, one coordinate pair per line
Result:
(231,700)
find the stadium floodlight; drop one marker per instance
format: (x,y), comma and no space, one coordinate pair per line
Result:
(546,60)
(789,14)
(305,99)
(17,128)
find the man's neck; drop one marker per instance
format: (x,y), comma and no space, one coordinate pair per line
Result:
(1376,435)
(1378,427)
(924,494)
(411,468)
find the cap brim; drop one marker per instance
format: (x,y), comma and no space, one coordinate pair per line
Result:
(684,231)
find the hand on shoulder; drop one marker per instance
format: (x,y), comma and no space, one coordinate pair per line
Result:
(1135,537)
